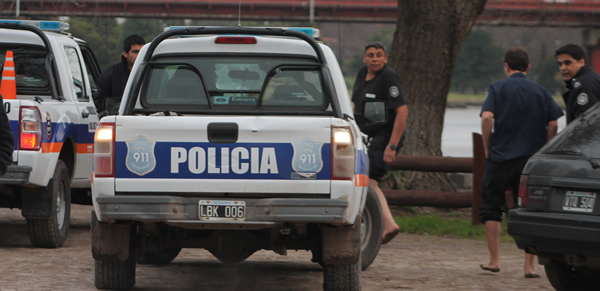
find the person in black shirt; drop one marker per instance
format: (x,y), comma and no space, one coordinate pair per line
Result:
(582,82)
(7,143)
(381,113)
(112,81)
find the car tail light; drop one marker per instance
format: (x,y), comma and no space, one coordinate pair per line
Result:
(523,189)
(235,40)
(30,128)
(342,154)
(104,150)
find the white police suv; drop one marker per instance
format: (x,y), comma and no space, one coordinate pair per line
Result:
(234,140)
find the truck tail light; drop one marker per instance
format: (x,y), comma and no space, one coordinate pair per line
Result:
(104,150)
(342,154)
(30,128)
(523,189)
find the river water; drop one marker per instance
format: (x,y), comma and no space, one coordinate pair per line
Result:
(459,125)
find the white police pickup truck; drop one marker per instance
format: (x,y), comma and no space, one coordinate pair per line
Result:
(53,118)
(233,140)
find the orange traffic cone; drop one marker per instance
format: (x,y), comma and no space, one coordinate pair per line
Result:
(8,87)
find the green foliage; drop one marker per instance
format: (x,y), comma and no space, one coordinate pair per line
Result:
(99,33)
(546,74)
(351,66)
(479,64)
(444,226)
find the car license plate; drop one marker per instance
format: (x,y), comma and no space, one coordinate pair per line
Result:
(221,210)
(579,201)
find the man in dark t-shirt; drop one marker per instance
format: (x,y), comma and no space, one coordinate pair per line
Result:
(381,112)
(112,81)
(523,117)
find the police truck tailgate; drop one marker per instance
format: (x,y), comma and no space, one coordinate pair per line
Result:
(223,154)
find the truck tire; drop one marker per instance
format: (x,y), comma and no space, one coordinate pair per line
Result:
(341,277)
(371,229)
(52,232)
(565,277)
(116,275)
(160,257)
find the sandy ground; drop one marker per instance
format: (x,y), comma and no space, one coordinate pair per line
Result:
(409,262)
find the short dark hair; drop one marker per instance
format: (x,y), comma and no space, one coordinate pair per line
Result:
(575,51)
(517,59)
(375,44)
(131,40)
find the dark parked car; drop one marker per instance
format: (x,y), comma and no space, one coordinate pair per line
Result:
(558,217)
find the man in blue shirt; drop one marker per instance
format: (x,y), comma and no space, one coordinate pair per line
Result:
(523,117)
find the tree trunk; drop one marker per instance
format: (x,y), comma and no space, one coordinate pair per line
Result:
(427,41)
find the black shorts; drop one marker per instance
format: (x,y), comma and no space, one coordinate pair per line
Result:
(497,178)
(377,144)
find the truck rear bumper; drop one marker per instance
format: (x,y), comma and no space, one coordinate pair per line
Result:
(185,210)
(555,233)
(16,175)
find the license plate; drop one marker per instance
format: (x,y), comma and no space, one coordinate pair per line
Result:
(579,201)
(221,210)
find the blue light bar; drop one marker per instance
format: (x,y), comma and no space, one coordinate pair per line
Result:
(41,24)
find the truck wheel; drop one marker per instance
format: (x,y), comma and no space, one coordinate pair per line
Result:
(371,229)
(52,232)
(160,257)
(114,274)
(117,275)
(341,277)
(565,277)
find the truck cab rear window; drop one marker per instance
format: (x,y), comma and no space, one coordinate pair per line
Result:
(30,69)
(233,84)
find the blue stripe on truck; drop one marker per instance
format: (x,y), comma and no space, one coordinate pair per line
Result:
(141,158)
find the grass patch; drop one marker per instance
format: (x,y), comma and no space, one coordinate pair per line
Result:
(444,226)
(466,97)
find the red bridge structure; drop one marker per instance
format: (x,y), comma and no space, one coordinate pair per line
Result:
(577,13)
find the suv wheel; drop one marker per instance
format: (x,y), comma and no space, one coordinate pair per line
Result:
(565,277)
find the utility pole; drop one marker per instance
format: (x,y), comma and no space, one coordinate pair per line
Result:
(311,16)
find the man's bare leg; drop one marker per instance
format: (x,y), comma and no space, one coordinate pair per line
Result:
(529,259)
(492,235)
(389,224)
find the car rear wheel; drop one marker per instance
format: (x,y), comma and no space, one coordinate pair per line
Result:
(565,277)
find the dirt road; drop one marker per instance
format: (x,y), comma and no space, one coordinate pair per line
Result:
(409,262)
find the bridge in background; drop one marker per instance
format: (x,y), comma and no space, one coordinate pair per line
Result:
(574,13)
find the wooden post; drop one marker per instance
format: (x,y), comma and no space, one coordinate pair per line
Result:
(428,198)
(478,168)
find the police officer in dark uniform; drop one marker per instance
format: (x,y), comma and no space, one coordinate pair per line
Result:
(112,81)
(582,82)
(381,113)
(7,143)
